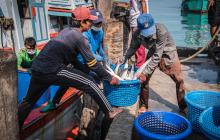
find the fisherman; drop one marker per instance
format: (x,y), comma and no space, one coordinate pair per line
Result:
(27,55)
(95,37)
(51,66)
(162,49)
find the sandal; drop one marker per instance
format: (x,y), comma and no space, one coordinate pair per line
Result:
(142,110)
(183,112)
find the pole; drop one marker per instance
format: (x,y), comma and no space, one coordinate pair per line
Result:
(105,6)
(8,96)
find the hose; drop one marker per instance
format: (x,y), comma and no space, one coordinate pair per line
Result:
(202,49)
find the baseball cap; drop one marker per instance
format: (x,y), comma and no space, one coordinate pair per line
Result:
(146,25)
(98,14)
(83,13)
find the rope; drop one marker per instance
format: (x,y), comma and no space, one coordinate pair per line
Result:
(202,49)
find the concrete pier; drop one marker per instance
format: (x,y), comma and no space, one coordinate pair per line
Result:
(199,74)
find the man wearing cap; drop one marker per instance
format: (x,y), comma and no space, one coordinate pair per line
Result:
(95,38)
(51,67)
(162,49)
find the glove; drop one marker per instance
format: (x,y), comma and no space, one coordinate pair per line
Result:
(142,77)
(114,81)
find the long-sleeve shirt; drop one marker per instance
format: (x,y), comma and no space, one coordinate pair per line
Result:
(63,51)
(161,45)
(24,60)
(95,40)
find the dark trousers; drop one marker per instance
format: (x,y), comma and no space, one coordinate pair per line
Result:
(175,73)
(62,90)
(65,77)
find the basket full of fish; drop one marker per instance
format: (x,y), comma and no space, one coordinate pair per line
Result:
(126,93)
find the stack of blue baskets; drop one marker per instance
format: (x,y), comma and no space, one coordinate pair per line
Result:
(124,94)
(162,126)
(209,121)
(198,102)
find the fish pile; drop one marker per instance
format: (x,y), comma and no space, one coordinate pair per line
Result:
(124,73)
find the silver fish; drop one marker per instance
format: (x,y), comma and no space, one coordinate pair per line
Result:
(141,69)
(124,74)
(113,74)
(110,71)
(131,74)
(125,71)
(117,67)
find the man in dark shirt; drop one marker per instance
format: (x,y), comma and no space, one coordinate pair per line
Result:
(51,67)
(162,49)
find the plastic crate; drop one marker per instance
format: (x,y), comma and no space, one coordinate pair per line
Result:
(23,84)
(53,90)
(209,121)
(197,102)
(159,125)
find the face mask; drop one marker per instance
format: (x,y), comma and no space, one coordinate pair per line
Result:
(97,29)
(31,52)
(147,41)
(146,38)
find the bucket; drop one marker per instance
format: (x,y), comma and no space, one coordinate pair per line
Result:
(159,125)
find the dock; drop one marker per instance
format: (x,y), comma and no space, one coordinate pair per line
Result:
(163,96)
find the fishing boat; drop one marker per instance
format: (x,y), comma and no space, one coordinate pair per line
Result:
(42,20)
(63,121)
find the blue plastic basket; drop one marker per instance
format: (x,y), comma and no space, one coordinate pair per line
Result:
(53,90)
(197,102)
(159,125)
(209,121)
(124,94)
(23,84)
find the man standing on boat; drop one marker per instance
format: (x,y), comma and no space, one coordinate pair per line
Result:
(162,49)
(51,67)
